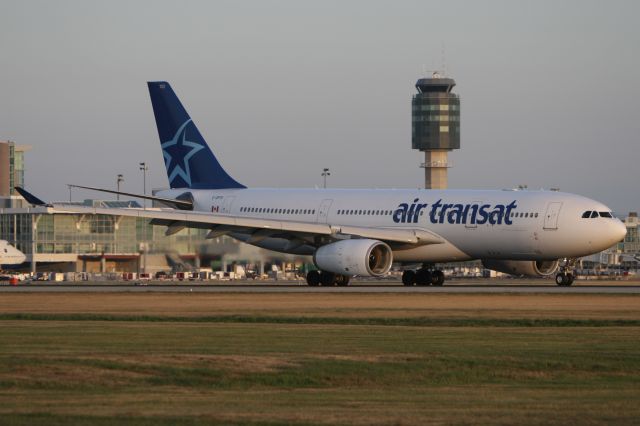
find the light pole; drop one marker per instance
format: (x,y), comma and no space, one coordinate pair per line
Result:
(325,173)
(120,179)
(144,168)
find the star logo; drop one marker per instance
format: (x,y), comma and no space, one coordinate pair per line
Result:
(179,148)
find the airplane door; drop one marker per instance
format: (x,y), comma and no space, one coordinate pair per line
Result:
(551,216)
(323,210)
(226,207)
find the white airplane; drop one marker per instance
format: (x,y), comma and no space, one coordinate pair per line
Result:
(362,232)
(10,255)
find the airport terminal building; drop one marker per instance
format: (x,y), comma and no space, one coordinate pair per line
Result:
(104,244)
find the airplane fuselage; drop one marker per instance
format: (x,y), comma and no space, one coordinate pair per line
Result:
(10,255)
(474,224)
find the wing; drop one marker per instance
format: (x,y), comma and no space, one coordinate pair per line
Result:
(257,228)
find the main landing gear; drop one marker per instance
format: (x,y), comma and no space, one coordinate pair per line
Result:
(566,274)
(426,275)
(324,278)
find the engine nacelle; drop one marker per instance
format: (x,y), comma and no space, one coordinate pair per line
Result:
(529,268)
(355,257)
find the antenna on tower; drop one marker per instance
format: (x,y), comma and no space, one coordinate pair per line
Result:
(444,64)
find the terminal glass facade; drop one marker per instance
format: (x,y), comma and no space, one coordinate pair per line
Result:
(92,234)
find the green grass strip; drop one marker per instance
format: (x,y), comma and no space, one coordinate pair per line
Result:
(259,319)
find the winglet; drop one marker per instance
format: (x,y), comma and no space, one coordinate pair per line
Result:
(31,199)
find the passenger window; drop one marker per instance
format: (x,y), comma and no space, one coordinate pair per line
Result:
(594,214)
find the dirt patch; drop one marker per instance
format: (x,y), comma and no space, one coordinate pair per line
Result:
(583,306)
(70,375)
(232,363)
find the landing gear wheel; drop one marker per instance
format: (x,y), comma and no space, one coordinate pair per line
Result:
(327,278)
(437,278)
(409,278)
(342,280)
(423,277)
(570,279)
(313,278)
(561,279)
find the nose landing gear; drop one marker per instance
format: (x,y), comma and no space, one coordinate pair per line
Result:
(566,274)
(426,275)
(564,279)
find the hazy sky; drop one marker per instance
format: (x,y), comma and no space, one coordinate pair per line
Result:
(550,95)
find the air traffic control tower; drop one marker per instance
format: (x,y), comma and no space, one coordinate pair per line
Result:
(435,123)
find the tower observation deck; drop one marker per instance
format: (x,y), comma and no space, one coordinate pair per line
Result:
(435,123)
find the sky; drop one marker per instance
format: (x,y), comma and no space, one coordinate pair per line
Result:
(549,91)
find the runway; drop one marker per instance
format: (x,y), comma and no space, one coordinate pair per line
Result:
(455,287)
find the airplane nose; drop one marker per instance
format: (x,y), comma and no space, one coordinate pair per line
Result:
(619,231)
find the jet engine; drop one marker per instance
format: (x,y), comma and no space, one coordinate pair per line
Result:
(529,268)
(355,257)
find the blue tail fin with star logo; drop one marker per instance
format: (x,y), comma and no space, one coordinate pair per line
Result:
(189,161)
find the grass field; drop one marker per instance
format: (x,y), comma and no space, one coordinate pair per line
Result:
(138,359)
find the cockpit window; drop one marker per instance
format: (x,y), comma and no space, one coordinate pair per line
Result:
(592,214)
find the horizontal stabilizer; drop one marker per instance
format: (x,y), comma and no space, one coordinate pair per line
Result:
(182,204)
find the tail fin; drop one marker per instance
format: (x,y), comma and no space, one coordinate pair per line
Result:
(189,161)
